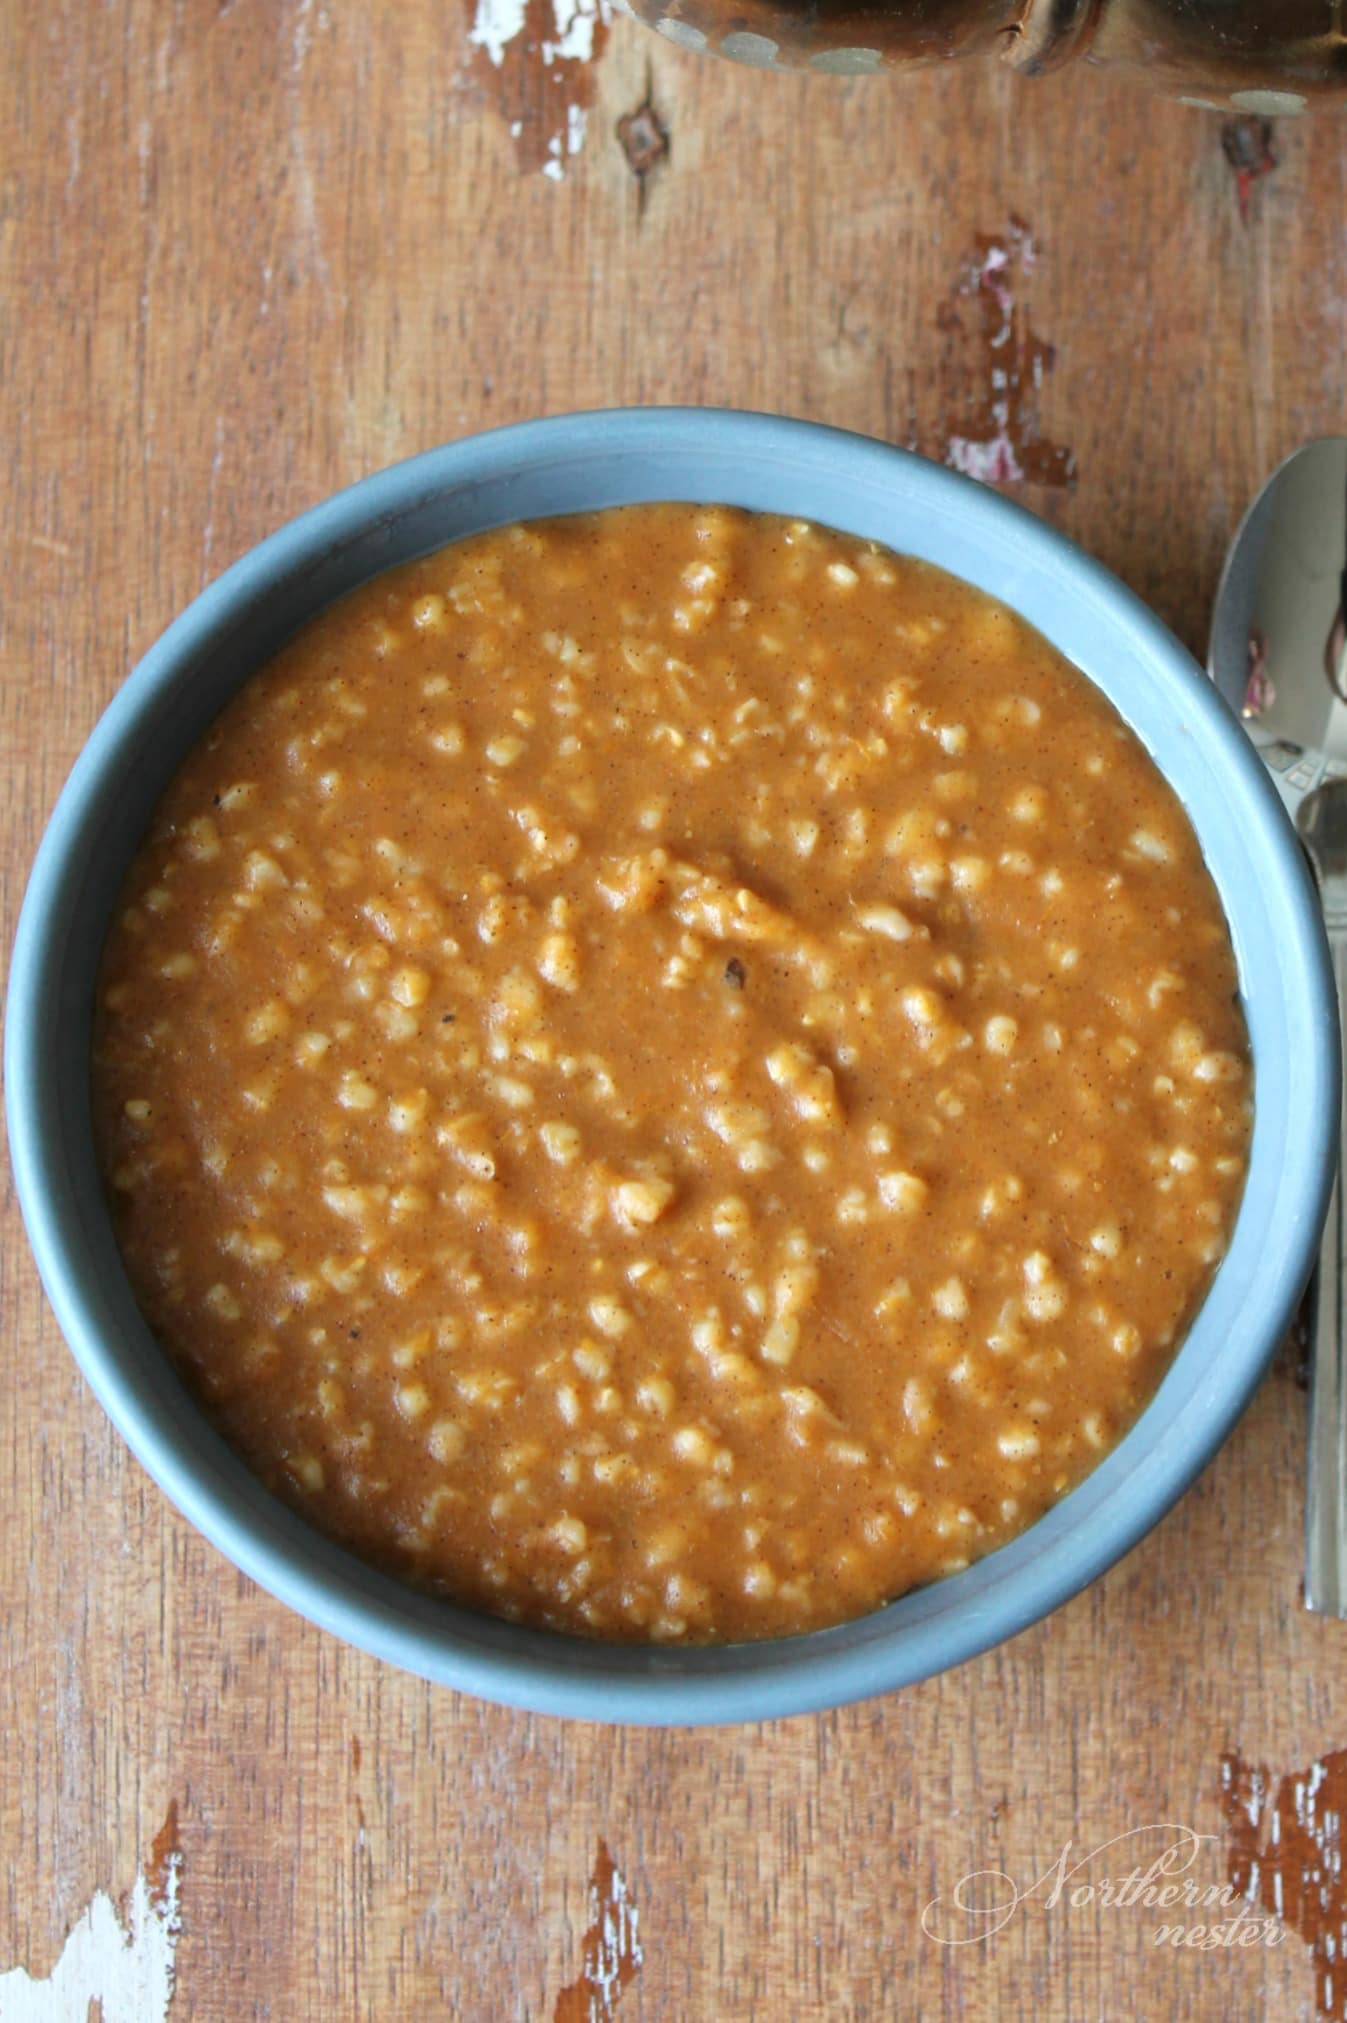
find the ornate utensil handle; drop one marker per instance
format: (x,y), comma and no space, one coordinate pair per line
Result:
(1326,1492)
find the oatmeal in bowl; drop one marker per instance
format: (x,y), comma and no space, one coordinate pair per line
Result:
(677,1075)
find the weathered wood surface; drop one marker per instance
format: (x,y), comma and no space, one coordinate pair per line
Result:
(250,251)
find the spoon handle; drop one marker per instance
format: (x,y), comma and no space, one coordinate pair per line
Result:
(1326,1495)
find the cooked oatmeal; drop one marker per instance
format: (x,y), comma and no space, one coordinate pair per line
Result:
(670,1074)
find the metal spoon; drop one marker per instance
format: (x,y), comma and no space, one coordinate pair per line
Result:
(1278,654)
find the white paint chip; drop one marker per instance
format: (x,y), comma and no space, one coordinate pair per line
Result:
(619,1944)
(495,25)
(576,21)
(127,1970)
(991,463)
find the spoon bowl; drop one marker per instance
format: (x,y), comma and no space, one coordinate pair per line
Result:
(1279,656)
(1277,650)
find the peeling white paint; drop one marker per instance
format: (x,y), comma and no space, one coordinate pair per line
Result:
(495,25)
(576,21)
(128,1969)
(995,458)
(991,463)
(619,1942)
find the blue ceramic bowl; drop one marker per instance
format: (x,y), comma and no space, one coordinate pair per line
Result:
(845,481)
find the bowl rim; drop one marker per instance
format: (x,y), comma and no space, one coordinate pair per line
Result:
(920,1634)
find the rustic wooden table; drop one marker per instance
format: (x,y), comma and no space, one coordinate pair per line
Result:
(248,252)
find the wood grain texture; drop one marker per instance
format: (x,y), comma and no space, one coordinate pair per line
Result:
(250,250)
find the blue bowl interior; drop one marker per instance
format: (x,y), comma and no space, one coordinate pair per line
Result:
(574,464)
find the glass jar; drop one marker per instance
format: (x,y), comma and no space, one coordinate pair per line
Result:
(1258,56)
